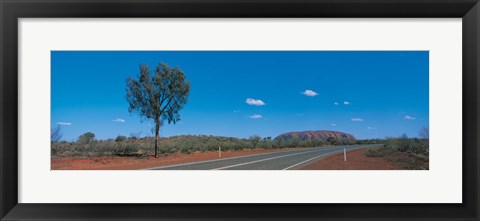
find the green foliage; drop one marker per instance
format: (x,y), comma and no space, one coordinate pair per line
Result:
(415,157)
(267,142)
(126,149)
(333,141)
(403,143)
(409,145)
(255,139)
(370,141)
(86,137)
(171,145)
(158,97)
(373,152)
(120,138)
(143,146)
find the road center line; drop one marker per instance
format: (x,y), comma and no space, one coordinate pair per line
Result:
(319,156)
(294,165)
(256,161)
(216,160)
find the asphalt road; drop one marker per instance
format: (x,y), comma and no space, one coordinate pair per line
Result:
(285,160)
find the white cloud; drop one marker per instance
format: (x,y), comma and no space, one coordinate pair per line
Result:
(252,101)
(371,128)
(335,103)
(64,123)
(118,120)
(333,125)
(255,116)
(409,117)
(357,119)
(310,93)
(346,102)
(236,111)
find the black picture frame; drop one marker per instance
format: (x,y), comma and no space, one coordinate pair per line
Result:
(12,10)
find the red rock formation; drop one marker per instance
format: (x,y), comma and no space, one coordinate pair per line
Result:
(316,135)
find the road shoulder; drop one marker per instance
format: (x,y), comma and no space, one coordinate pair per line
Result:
(356,160)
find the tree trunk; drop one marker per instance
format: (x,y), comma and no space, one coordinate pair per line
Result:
(157,127)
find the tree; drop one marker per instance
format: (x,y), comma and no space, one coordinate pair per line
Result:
(403,143)
(158,97)
(268,142)
(86,137)
(333,141)
(120,138)
(255,139)
(56,134)
(424,133)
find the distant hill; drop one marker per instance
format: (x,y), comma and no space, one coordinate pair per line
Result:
(315,135)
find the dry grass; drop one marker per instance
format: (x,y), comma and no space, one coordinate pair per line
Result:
(406,160)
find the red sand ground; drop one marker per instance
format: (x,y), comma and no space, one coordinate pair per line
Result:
(356,160)
(132,163)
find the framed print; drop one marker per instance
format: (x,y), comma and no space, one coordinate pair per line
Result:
(265,135)
(230,110)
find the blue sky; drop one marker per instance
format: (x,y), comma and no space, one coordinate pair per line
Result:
(370,94)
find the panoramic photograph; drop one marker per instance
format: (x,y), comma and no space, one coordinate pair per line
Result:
(239,110)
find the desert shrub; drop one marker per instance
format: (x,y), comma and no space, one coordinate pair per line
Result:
(403,143)
(410,145)
(255,139)
(127,149)
(120,138)
(143,146)
(370,141)
(406,160)
(333,141)
(86,137)
(373,152)
(186,149)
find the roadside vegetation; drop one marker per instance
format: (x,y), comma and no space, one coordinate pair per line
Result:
(408,153)
(86,145)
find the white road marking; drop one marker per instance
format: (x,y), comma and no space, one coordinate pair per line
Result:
(320,156)
(294,165)
(207,161)
(256,161)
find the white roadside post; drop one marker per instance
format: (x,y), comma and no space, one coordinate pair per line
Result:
(344,155)
(219,152)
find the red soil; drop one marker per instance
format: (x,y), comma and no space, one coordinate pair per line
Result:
(132,163)
(356,160)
